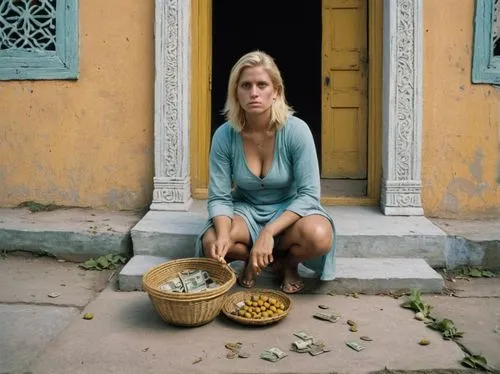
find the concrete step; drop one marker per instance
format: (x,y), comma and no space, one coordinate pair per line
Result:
(361,232)
(74,234)
(365,275)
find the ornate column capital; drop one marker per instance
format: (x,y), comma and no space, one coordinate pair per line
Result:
(402,108)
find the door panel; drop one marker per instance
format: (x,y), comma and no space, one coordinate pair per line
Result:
(344,90)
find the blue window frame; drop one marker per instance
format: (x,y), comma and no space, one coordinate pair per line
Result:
(486,58)
(38,39)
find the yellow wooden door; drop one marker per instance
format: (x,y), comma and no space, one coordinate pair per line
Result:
(344,89)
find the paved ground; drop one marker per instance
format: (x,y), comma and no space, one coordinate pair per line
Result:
(29,318)
(47,335)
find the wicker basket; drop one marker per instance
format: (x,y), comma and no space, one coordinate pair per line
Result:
(230,307)
(188,309)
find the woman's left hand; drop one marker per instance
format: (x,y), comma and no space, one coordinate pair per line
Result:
(261,254)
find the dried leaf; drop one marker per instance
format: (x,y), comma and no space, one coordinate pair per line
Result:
(322,306)
(88,316)
(366,338)
(351,322)
(243,354)
(420,316)
(197,360)
(353,328)
(424,342)
(235,347)
(53,295)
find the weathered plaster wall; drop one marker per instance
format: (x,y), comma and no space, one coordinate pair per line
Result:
(461,120)
(87,142)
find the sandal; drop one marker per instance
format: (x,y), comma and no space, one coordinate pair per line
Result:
(292,287)
(245,283)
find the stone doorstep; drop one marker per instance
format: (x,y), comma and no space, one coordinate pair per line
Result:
(361,232)
(366,275)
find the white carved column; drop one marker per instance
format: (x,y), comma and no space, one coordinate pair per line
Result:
(172,190)
(402,108)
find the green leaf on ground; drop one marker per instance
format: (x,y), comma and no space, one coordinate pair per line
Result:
(35,207)
(447,328)
(109,261)
(476,273)
(415,303)
(476,362)
(488,274)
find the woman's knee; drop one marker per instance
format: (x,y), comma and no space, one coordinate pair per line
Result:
(208,239)
(319,237)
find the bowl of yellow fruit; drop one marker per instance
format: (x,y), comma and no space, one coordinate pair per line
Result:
(257,306)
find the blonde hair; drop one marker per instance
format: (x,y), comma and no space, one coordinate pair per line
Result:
(233,111)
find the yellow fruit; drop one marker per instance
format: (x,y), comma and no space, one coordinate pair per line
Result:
(241,313)
(282,306)
(248,315)
(279,312)
(255,303)
(263,309)
(273,308)
(265,298)
(260,302)
(267,305)
(272,301)
(265,314)
(248,302)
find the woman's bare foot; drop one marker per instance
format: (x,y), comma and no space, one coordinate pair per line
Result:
(246,277)
(292,283)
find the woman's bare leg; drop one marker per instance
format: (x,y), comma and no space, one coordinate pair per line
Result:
(239,251)
(310,237)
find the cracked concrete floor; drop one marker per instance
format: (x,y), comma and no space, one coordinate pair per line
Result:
(29,318)
(474,306)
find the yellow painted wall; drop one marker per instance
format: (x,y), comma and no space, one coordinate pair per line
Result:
(87,142)
(461,120)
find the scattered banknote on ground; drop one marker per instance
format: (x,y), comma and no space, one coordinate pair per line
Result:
(300,346)
(304,336)
(326,317)
(273,354)
(189,281)
(308,344)
(355,345)
(318,348)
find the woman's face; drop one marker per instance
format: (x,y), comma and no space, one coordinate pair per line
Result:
(255,90)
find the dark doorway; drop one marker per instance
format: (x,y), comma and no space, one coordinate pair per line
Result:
(290,32)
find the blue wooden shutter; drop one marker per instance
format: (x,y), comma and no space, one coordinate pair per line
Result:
(486,58)
(38,39)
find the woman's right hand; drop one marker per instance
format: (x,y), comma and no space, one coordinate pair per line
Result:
(220,248)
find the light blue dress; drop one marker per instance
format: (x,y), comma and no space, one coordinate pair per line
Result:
(292,183)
